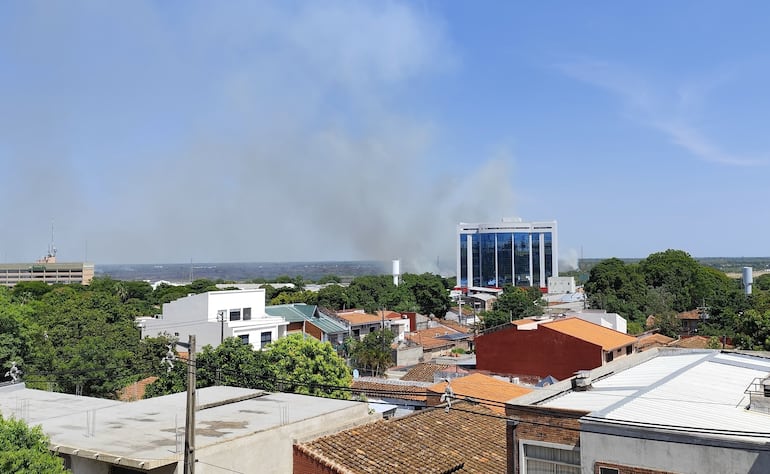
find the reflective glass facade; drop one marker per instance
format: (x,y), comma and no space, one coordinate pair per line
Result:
(493,255)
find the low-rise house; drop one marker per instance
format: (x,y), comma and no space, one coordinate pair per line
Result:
(236,429)
(216,315)
(439,340)
(424,372)
(557,347)
(310,319)
(690,320)
(651,340)
(360,323)
(466,438)
(478,388)
(409,394)
(658,411)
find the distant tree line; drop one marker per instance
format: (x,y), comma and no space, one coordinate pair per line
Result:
(671,282)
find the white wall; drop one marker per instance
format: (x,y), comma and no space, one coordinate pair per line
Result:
(197,314)
(668,456)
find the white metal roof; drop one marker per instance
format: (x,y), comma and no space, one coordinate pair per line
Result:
(701,390)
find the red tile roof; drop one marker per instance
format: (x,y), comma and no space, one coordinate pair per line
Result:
(431,440)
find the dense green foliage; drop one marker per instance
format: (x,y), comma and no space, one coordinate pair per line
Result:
(24,450)
(671,282)
(514,303)
(373,352)
(293,363)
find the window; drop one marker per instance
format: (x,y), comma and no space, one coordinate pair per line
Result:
(608,470)
(235,315)
(629,350)
(244,338)
(246,314)
(609,356)
(541,459)
(266,338)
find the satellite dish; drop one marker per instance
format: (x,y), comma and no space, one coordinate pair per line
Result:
(355,373)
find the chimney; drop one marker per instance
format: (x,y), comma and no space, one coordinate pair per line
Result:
(582,381)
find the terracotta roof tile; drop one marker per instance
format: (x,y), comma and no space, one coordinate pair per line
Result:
(695,342)
(649,341)
(355,318)
(694,314)
(456,326)
(424,372)
(483,388)
(383,389)
(429,338)
(601,336)
(431,440)
(136,390)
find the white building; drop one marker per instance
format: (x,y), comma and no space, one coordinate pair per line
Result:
(216,315)
(659,411)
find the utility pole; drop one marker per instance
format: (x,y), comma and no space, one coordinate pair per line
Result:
(189,427)
(221,320)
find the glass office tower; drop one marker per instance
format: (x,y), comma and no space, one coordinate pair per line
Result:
(509,252)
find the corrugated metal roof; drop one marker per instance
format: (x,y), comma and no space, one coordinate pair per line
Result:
(296,313)
(702,390)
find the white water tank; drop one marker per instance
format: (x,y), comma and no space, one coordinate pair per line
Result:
(747,279)
(396,271)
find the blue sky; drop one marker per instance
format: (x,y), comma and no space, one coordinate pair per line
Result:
(324,130)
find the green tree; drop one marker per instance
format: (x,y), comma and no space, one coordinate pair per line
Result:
(490,319)
(306,365)
(233,363)
(519,302)
(27,290)
(333,297)
(373,352)
(288,297)
(762,282)
(753,330)
(618,288)
(329,279)
(429,293)
(369,292)
(678,273)
(24,449)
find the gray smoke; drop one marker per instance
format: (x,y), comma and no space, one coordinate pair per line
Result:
(235,132)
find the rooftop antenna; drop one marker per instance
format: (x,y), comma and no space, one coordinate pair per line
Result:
(51,248)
